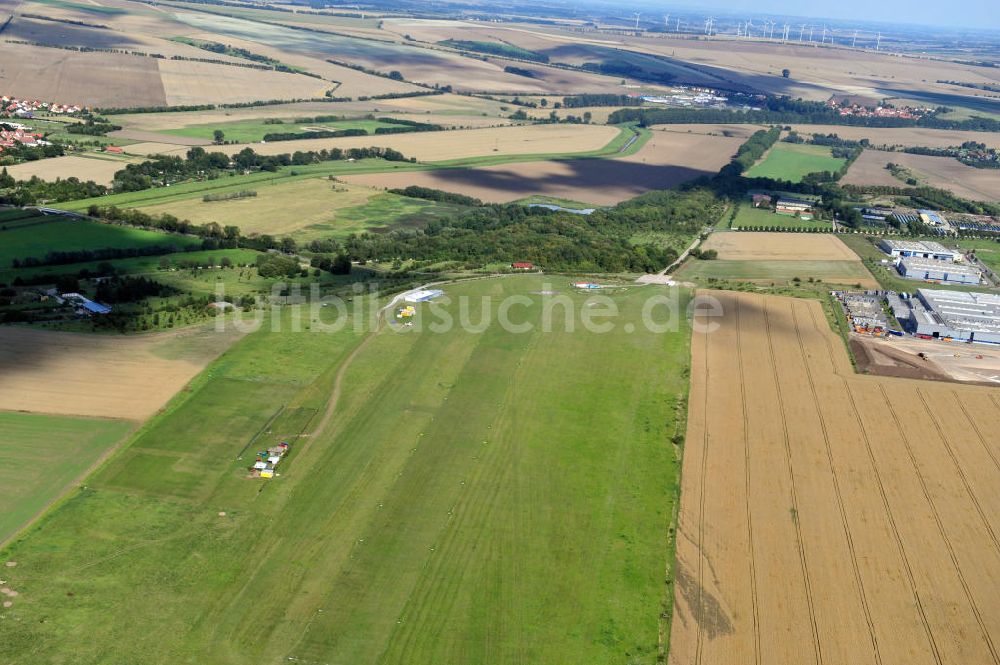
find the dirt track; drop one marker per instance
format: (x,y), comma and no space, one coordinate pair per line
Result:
(829,517)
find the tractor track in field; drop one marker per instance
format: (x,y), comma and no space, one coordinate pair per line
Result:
(803,560)
(748,486)
(845,523)
(942,532)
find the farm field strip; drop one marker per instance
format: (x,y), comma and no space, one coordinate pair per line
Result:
(775,256)
(101,375)
(943,172)
(830,517)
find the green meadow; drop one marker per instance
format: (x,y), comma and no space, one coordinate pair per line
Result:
(841,272)
(792,161)
(42,454)
(59,234)
(450,497)
(748,216)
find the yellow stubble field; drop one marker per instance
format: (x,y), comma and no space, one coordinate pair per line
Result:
(829,517)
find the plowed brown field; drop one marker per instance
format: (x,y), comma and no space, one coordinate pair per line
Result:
(829,517)
(102,375)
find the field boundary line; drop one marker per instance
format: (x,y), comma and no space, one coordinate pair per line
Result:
(940,525)
(794,494)
(845,523)
(746,479)
(700,609)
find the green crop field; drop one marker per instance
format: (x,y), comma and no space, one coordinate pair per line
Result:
(485,496)
(252,131)
(748,216)
(988,251)
(791,161)
(840,272)
(59,234)
(42,454)
(307,209)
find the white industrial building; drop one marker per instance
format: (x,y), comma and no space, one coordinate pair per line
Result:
(934,270)
(960,315)
(924,249)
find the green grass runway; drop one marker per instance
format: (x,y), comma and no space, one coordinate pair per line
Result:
(478,497)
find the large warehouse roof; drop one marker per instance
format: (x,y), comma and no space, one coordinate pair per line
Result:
(964,310)
(917,264)
(921,246)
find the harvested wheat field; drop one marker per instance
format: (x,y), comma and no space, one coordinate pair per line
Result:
(102,375)
(665,161)
(72,77)
(779,246)
(186,82)
(99,169)
(829,517)
(448,145)
(943,172)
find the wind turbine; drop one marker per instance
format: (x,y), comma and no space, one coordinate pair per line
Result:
(637,15)
(784,34)
(708,26)
(748,24)
(854,42)
(678,25)
(666,22)
(802,29)
(823,41)
(810,33)
(878,42)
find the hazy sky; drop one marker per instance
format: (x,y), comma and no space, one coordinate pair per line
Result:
(966,13)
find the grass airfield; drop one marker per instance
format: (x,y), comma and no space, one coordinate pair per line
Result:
(469,497)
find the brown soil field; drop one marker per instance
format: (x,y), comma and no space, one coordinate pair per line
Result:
(446,109)
(736,246)
(943,172)
(906,136)
(816,72)
(828,517)
(944,361)
(186,82)
(101,375)
(352,82)
(97,79)
(100,170)
(442,146)
(666,160)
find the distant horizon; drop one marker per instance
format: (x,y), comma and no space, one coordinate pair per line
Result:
(961,14)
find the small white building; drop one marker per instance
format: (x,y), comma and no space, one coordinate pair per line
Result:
(423,295)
